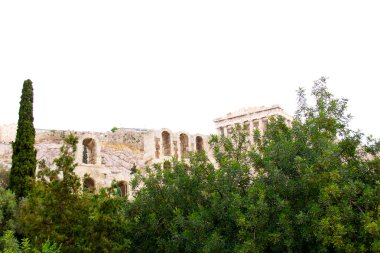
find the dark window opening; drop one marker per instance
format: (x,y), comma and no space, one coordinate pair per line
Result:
(166,143)
(89,151)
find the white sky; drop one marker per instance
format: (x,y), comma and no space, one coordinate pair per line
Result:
(180,64)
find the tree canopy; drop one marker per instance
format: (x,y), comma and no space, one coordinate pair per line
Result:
(311,187)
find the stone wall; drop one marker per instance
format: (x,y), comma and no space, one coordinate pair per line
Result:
(109,156)
(163,144)
(113,156)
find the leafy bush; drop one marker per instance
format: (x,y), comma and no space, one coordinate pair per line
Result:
(10,245)
(114,129)
(57,209)
(312,187)
(8,209)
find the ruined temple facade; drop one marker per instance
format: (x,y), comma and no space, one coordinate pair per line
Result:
(251,118)
(108,157)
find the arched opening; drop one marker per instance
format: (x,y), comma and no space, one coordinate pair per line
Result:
(166,143)
(199,143)
(184,144)
(89,185)
(123,186)
(89,151)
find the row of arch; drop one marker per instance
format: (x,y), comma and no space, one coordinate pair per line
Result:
(89,147)
(121,187)
(183,144)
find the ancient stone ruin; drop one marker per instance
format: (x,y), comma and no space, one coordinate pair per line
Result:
(105,157)
(109,157)
(251,118)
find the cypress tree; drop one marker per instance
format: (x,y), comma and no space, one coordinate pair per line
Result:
(24,154)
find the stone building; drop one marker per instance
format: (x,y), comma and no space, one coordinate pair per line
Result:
(251,118)
(114,156)
(109,156)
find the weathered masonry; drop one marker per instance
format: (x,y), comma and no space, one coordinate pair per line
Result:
(108,157)
(160,145)
(251,118)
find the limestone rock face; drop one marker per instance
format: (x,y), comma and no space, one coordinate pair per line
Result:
(8,133)
(47,152)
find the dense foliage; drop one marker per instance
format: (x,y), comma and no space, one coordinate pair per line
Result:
(24,154)
(317,188)
(311,187)
(58,210)
(8,209)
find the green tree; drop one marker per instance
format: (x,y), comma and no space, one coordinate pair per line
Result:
(8,208)
(54,208)
(108,225)
(58,209)
(10,244)
(191,207)
(312,187)
(24,154)
(172,211)
(317,188)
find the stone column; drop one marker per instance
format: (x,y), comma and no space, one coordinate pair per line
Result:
(261,125)
(226,130)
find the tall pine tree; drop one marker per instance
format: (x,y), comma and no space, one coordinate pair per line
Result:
(24,154)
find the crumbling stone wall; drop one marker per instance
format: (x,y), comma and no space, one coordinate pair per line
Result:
(110,156)
(114,156)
